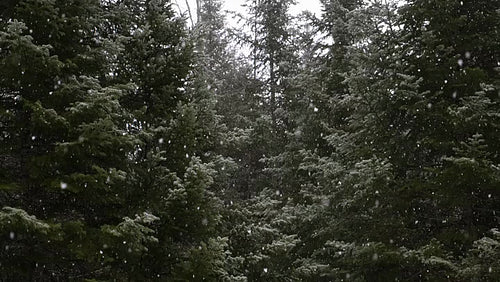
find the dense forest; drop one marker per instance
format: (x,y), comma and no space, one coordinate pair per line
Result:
(141,144)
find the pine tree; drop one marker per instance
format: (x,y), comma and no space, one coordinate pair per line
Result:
(404,141)
(174,125)
(272,54)
(457,78)
(67,144)
(102,178)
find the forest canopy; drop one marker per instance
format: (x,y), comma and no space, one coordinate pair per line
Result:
(359,144)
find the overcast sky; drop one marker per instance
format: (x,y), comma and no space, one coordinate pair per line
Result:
(310,5)
(235,5)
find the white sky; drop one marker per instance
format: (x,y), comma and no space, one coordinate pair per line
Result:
(313,6)
(302,5)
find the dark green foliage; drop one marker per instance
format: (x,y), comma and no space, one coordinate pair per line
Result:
(389,171)
(100,178)
(358,146)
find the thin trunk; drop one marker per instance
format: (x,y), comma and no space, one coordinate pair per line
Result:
(255,43)
(272,84)
(198,10)
(189,12)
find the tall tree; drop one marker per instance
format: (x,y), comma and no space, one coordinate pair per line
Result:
(453,117)
(103,176)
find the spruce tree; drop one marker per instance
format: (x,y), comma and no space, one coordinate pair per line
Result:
(103,177)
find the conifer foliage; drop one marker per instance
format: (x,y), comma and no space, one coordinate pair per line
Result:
(101,170)
(360,144)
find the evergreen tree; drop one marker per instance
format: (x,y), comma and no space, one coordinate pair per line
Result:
(101,178)
(400,162)
(361,145)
